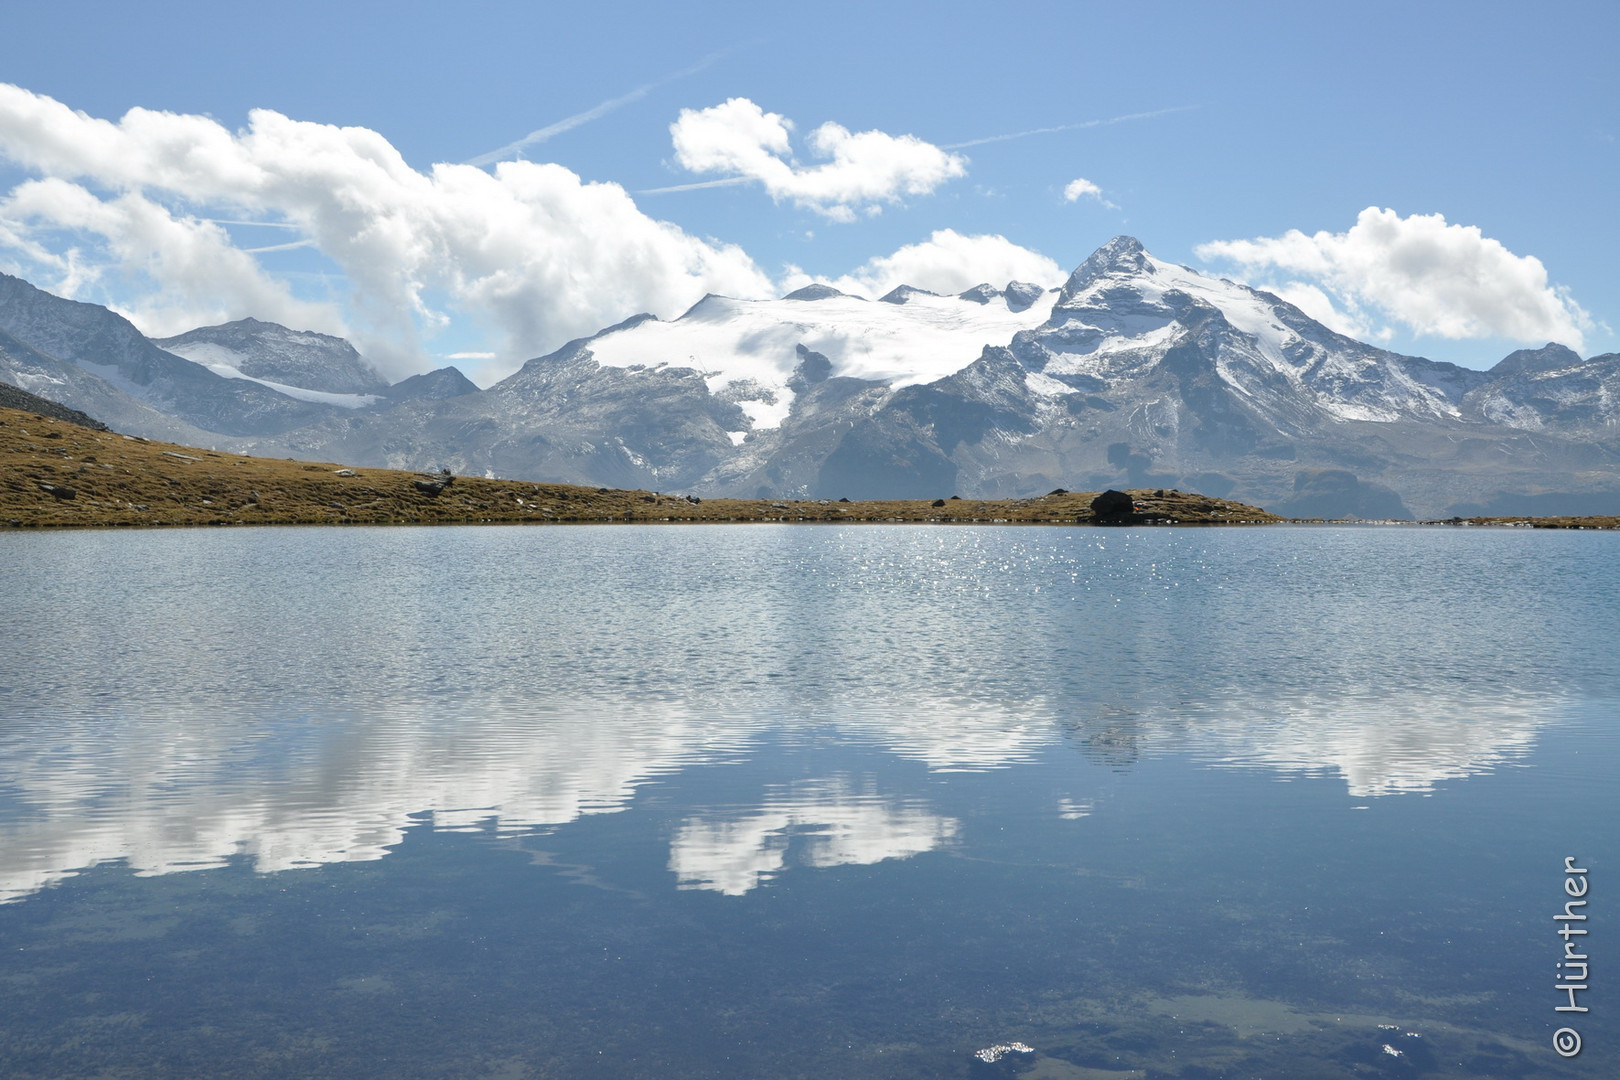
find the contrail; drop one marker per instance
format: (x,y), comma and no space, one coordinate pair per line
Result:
(264,224)
(730,181)
(1072,127)
(570,123)
(279,247)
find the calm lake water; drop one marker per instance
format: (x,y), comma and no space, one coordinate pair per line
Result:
(801,801)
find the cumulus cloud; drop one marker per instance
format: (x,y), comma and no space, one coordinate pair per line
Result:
(1080,187)
(532,250)
(196,275)
(1420,272)
(867,169)
(947,262)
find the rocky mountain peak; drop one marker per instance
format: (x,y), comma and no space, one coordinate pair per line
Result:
(1021,294)
(1550,357)
(269,351)
(902,293)
(1120,257)
(818,291)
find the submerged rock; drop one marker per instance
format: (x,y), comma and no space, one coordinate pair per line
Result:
(1003,1059)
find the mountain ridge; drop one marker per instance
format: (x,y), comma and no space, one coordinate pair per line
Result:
(1134,370)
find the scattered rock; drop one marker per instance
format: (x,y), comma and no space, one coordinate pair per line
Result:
(937,502)
(345,472)
(1058,491)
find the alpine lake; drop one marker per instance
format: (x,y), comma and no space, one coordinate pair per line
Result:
(772,801)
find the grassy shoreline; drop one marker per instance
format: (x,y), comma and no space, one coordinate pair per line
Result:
(58,474)
(55,474)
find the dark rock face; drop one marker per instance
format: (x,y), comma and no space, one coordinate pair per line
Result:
(814,292)
(12,397)
(813,367)
(1550,357)
(901,293)
(437,385)
(1113,504)
(1021,294)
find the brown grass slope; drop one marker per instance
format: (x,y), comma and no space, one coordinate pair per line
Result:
(56,474)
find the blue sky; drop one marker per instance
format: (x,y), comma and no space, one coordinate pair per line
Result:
(1242,123)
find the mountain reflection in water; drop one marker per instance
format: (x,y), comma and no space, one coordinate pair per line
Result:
(771,801)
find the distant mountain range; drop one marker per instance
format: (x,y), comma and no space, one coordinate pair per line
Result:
(1136,372)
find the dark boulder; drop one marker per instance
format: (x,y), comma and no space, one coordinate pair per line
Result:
(1113,504)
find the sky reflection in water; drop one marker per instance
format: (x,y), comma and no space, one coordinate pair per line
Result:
(986,758)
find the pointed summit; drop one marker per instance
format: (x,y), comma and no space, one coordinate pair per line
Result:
(1121,256)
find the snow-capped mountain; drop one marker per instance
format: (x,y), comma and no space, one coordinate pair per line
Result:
(1123,312)
(299,363)
(1136,372)
(749,350)
(245,379)
(1552,389)
(103,344)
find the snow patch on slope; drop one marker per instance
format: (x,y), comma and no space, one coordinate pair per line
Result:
(219,360)
(735,343)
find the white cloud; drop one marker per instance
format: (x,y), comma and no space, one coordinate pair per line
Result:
(1081,186)
(198,276)
(947,262)
(835,827)
(532,251)
(1351,321)
(1450,281)
(866,170)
